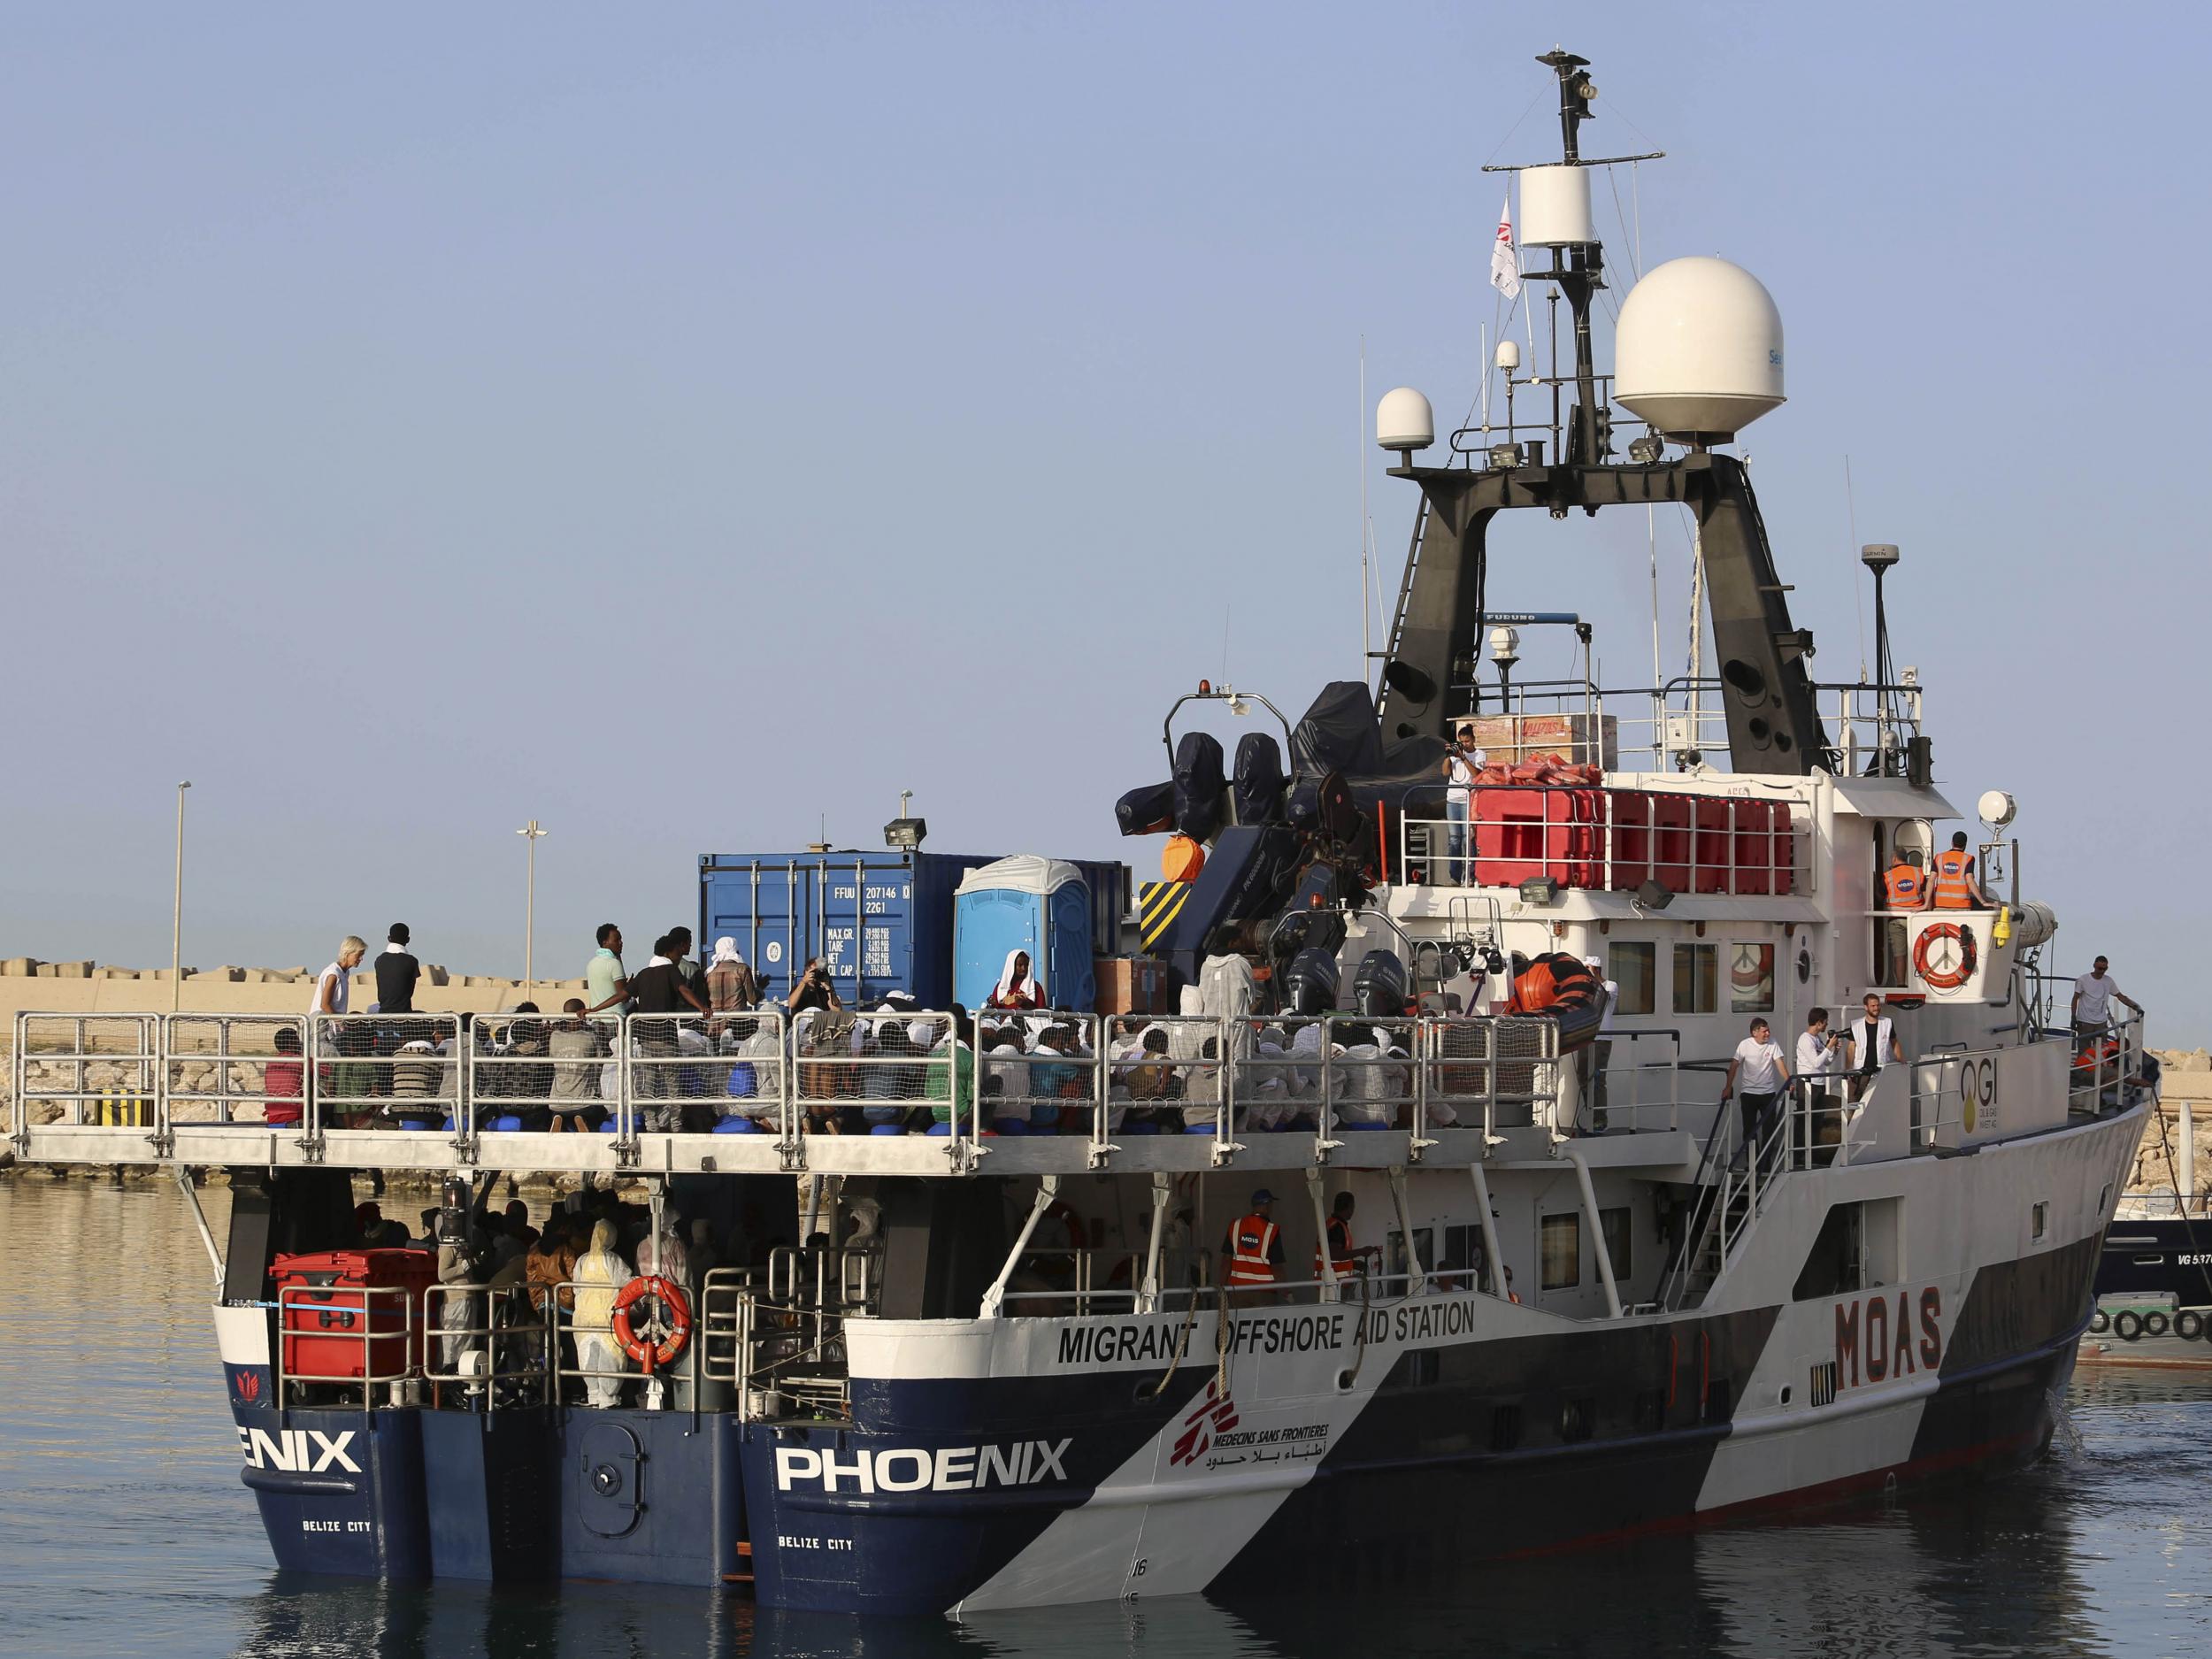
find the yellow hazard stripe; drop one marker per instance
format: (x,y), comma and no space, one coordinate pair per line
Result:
(1158,903)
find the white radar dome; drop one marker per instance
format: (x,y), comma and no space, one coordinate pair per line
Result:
(1555,207)
(1698,351)
(1403,420)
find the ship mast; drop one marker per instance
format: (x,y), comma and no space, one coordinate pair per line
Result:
(1709,360)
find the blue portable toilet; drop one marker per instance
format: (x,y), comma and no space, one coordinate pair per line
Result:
(1041,905)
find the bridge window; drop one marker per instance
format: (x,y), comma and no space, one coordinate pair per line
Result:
(1697,978)
(1560,1240)
(1617,1226)
(1635,969)
(1751,979)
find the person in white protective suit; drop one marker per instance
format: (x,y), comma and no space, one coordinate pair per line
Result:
(599,1273)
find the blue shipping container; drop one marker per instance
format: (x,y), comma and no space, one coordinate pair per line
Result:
(882,921)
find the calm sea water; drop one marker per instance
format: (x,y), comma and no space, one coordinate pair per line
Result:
(124,1529)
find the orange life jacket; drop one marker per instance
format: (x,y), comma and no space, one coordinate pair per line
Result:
(1954,890)
(1903,887)
(1339,1237)
(1251,1243)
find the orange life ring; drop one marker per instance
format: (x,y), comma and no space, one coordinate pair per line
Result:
(1944,978)
(671,1297)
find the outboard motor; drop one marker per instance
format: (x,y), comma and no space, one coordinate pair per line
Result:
(1321,805)
(1259,779)
(1310,929)
(1380,988)
(1310,984)
(1147,811)
(1201,797)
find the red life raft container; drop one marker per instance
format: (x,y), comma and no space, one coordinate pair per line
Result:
(343,1309)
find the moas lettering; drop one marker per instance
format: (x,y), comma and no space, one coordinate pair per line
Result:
(1878,1340)
(912,1468)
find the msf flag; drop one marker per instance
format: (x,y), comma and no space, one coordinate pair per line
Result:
(1505,266)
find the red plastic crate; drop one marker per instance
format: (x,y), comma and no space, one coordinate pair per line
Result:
(1575,845)
(330,1298)
(1754,846)
(1628,813)
(1714,853)
(1510,833)
(1671,839)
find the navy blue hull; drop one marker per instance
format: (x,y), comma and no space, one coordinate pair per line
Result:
(646,1497)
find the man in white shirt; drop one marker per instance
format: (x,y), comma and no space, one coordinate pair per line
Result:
(1460,767)
(2094,993)
(1759,1066)
(1821,1056)
(1874,1046)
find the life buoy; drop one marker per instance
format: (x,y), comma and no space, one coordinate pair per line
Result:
(1944,978)
(674,1303)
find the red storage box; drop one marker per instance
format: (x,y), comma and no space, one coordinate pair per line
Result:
(333,1298)
(1575,851)
(1754,846)
(1670,841)
(1509,832)
(1714,853)
(1629,815)
(1784,850)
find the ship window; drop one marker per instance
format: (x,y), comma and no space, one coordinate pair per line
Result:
(1505,1427)
(1634,968)
(2041,1218)
(1751,979)
(1615,1224)
(1697,978)
(1561,1252)
(1462,1267)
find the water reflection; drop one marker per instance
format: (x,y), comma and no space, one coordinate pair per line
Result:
(125,1531)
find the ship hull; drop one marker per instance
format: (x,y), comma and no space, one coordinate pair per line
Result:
(1004,1462)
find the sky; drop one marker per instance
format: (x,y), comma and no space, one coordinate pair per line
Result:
(690,427)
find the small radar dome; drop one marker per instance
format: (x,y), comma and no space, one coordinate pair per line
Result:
(1698,351)
(1995,809)
(1404,421)
(1508,356)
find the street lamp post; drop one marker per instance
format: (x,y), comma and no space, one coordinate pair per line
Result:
(176,914)
(531,835)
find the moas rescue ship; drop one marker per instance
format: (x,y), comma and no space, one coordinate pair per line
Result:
(1038,1342)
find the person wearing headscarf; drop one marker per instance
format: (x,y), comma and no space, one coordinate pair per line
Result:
(1017,986)
(731,986)
(600,1273)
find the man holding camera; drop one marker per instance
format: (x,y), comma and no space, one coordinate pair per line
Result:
(812,989)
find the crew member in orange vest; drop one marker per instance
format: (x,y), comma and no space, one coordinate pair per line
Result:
(1254,1250)
(1955,886)
(1340,1253)
(1903,888)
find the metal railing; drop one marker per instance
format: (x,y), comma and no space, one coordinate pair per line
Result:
(1099,1080)
(1645,1092)
(1606,838)
(1669,727)
(490,1345)
(343,1338)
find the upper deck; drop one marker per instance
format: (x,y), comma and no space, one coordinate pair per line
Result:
(685,1095)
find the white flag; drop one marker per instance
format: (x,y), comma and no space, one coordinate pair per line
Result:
(1505,266)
